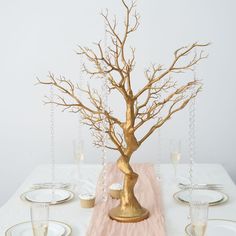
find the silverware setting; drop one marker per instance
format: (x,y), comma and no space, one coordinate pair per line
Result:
(51,185)
(201,186)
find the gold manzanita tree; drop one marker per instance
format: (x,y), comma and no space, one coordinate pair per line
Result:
(146,109)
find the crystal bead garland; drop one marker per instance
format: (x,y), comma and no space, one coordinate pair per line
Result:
(105,93)
(159,154)
(52,139)
(192,140)
(104,143)
(79,144)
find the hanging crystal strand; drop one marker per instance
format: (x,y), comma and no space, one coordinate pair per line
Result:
(80,135)
(79,144)
(104,151)
(159,153)
(192,141)
(104,128)
(159,136)
(52,139)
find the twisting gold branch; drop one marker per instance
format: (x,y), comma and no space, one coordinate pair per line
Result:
(157,100)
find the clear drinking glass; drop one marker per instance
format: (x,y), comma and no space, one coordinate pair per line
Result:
(79,159)
(79,152)
(199,217)
(175,154)
(39,218)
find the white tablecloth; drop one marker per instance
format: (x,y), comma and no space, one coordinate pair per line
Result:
(16,211)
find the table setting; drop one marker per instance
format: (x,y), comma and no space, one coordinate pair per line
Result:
(39,224)
(175,218)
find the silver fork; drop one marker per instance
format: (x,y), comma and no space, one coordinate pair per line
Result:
(202,186)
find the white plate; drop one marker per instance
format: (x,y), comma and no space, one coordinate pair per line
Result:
(25,229)
(46,195)
(205,195)
(217,228)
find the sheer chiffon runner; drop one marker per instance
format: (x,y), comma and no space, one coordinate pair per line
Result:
(148,193)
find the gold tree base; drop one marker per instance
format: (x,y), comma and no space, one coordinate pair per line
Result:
(128,216)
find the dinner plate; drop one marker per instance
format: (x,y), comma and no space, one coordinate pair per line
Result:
(205,195)
(217,227)
(46,196)
(55,228)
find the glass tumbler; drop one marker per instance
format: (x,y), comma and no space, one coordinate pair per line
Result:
(175,154)
(39,218)
(199,217)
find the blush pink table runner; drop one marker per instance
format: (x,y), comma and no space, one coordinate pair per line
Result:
(148,193)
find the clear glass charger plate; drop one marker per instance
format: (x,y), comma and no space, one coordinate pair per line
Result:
(217,227)
(45,195)
(55,228)
(212,196)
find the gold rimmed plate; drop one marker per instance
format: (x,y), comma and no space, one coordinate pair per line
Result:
(216,227)
(213,197)
(51,196)
(55,228)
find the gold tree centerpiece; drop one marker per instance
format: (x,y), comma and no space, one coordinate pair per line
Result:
(146,109)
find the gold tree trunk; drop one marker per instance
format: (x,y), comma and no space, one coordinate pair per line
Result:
(129,209)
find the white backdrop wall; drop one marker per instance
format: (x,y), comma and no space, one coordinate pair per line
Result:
(41,36)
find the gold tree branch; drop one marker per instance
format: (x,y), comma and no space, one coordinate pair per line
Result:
(183,102)
(178,55)
(176,96)
(66,87)
(111,63)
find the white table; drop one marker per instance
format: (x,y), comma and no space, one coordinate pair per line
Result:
(16,211)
